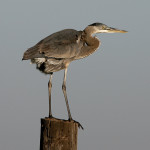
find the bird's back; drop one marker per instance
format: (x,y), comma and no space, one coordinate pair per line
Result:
(56,51)
(62,44)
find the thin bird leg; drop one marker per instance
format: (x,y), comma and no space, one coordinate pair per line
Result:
(65,94)
(66,99)
(49,90)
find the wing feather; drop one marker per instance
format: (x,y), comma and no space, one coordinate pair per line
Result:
(62,44)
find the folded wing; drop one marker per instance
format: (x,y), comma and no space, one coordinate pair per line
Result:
(63,44)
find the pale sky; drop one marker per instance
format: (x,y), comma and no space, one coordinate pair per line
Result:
(108,92)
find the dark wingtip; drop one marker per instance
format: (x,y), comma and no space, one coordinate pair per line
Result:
(24,58)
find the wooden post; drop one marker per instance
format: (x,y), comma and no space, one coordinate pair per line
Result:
(58,134)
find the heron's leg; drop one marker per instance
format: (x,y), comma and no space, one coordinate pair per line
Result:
(49,90)
(66,99)
(65,94)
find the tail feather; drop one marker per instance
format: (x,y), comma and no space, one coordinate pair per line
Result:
(32,53)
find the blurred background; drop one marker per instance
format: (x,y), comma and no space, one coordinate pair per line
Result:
(108,92)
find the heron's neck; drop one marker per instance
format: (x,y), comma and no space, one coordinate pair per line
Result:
(91,44)
(91,41)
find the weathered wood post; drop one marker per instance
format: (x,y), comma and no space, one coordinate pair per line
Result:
(57,134)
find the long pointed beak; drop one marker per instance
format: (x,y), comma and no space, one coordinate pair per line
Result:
(114,30)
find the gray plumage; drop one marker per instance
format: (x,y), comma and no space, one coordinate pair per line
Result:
(56,51)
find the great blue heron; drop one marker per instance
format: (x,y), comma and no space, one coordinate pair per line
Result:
(58,50)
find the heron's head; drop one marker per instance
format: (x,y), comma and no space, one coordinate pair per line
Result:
(102,28)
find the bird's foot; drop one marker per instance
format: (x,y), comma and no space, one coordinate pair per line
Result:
(79,125)
(50,116)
